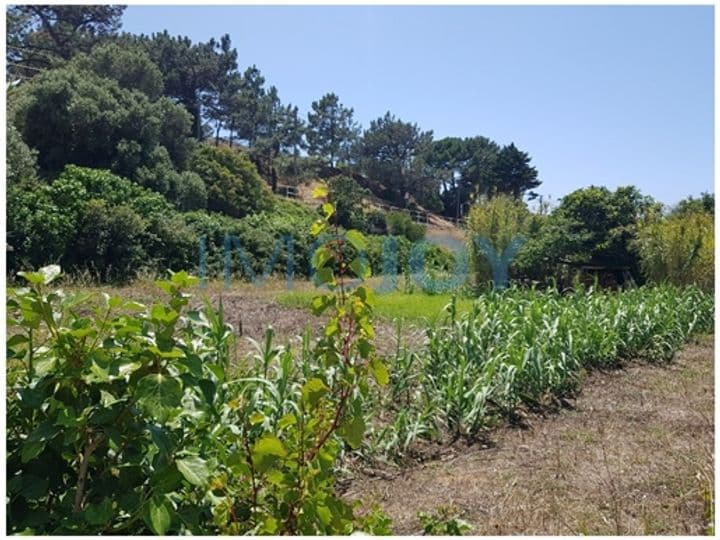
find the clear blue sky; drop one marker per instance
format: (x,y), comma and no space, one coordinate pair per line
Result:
(604,95)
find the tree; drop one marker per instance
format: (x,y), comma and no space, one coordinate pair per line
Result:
(41,36)
(704,203)
(194,73)
(292,128)
(231,180)
(221,107)
(347,196)
(497,228)
(331,129)
(190,193)
(678,249)
(131,67)
(110,242)
(253,106)
(21,161)
(594,226)
(513,173)
(391,151)
(465,167)
(75,116)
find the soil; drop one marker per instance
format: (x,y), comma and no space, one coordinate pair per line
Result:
(632,455)
(253,314)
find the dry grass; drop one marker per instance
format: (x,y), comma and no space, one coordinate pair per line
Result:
(634,456)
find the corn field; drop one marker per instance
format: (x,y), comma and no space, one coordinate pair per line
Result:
(528,347)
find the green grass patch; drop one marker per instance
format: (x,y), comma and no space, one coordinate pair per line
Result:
(391,305)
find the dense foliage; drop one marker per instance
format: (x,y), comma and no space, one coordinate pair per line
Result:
(401,224)
(231,180)
(74,116)
(497,229)
(92,220)
(135,105)
(125,418)
(679,249)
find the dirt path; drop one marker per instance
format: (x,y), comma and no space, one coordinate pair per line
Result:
(633,457)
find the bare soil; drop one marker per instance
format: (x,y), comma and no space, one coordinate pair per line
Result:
(634,455)
(253,314)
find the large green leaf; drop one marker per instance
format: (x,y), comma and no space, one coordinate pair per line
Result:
(266,451)
(313,390)
(194,469)
(157,395)
(43,276)
(99,514)
(357,239)
(160,512)
(379,371)
(353,430)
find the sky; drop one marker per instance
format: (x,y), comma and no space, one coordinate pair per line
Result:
(597,95)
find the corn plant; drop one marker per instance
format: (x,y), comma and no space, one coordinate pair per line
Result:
(530,347)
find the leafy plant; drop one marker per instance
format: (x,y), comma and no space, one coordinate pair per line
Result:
(401,224)
(679,249)
(124,418)
(232,182)
(443,522)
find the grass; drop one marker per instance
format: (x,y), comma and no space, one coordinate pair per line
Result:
(415,307)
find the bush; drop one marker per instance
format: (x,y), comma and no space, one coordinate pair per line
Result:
(73,115)
(375,222)
(39,230)
(124,418)
(401,224)
(347,196)
(131,67)
(189,192)
(260,236)
(232,182)
(679,249)
(21,160)
(497,221)
(92,219)
(109,241)
(159,175)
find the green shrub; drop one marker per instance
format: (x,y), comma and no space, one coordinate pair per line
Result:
(73,115)
(21,161)
(189,192)
(375,222)
(110,241)
(401,224)
(444,521)
(159,175)
(231,180)
(130,67)
(125,419)
(347,196)
(90,219)
(259,236)
(39,231)
(498,220)
(679,249)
